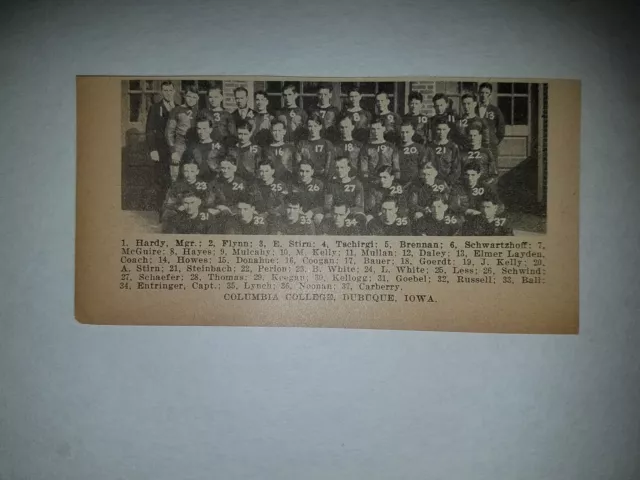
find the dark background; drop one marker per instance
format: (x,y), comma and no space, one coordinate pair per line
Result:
(86,402)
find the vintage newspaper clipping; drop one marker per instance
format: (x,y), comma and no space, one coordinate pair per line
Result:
(381,203)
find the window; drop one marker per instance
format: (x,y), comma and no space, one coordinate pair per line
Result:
(454,90)
(203,89)
(513,101)
(368,90)
(307,92)
(141,95)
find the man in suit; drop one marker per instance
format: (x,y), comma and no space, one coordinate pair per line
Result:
(156,142)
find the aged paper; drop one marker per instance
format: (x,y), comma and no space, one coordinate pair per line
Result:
(384,203)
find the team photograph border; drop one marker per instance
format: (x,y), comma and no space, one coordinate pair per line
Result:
(156,197)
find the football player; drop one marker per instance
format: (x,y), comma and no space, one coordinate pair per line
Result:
(192,217)
(228,188)
(190,183)
(360,118)
(388,222)
(246,154)
(479,154)
(159,152)
(467,197)
(347,146)
(388,187)
(493,116)
(206,152)
(317,150)
(281,154)
(417,118)
(246,221)
(444,154)
(468,120)
(443,112)
(439,221)
(223,126)
(179,131)
(272,191)
(310,190)
(326,112)
(348,188)
(410,154)
(293,117)
(262,119)
(489,222)
(423,189)
(376,153)
(390,120)
(342,221)
(294,221)
(243,112)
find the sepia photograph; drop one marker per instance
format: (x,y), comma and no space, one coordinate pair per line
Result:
(424,157)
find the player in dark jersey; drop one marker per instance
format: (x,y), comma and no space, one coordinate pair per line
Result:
(310,191)
(388,222)
(317,150)
(190,183)
(417,118)
(261,134)
(423,189)
(493,116)
(294,222)
(226,190)
(347,146)
(224,129)
(444,112)
(376,153)
(246,221)
(388,187)
(342,221)
(192,218)
(206,152)
(246,154)
(467,197)
(410,154)
(326,112)
(480,155)
(346,187)
(272,191)
(439,221)
(444,154)
(243,113)
(490,222)
(293,117)
(469,120)
(360,118)
(390,120)
(281,154)
(180,128)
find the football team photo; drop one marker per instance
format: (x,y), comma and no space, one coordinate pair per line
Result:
(418,157)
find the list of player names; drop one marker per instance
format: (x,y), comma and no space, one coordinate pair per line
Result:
(327,269)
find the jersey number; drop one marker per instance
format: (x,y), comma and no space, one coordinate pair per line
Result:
(319,148)
(237,186)
(396,190)
(276,187)
(349,188)
(449,220)
(408,150)
(438,188)
(351,223)
(356,117)
(440,150)
(499,222)
(216,116)
(204,216)
(258,221)
(201,186)
(477,191)
(473,155)
(313,188)
(401,221)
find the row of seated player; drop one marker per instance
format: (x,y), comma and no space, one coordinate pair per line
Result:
(322,154)
(220,197)
(192,218)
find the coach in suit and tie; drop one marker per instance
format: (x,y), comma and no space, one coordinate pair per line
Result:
(156,142)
